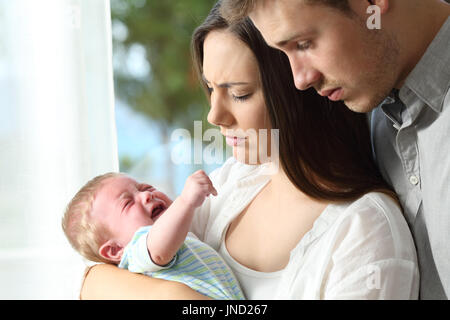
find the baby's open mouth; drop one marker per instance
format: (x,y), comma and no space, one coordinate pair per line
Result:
(157,210)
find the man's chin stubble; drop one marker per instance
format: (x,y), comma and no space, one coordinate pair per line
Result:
(365,107)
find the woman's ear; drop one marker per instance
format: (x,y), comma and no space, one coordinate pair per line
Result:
(111,251)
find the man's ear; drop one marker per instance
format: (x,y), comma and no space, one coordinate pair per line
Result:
(382,4)
(111,251)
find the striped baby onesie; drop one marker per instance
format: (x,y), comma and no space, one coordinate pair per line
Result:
(196,264)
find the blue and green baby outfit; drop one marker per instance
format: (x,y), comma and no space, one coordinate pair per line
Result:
(195,264)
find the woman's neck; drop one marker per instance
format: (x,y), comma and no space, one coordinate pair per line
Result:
(284,189)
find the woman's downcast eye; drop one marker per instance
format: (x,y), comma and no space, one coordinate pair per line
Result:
(237,98)
(241,98)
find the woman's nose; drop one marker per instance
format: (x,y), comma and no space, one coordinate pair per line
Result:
(219,114)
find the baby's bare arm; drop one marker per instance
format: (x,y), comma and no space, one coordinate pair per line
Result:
(169,231)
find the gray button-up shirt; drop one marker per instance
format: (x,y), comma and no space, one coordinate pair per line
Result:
(411,143)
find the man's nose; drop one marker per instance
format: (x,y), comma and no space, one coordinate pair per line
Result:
(304,76)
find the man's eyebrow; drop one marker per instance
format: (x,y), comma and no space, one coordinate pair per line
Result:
(226,84)
(293,36)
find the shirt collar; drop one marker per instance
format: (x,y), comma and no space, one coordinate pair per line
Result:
(393,107)
(430,78)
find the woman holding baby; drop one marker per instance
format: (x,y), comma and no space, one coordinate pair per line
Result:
(323,226)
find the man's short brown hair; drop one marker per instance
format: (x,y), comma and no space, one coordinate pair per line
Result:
(236,10)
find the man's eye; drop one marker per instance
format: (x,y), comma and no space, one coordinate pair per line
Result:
(210,90)
(301,46)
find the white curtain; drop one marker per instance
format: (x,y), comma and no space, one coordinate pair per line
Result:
(57,131)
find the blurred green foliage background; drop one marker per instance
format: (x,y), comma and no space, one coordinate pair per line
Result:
(154,74)
(167,90)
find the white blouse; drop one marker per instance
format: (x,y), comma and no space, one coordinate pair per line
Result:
(355,250)
(256,285)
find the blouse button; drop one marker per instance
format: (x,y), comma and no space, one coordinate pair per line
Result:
(414,180)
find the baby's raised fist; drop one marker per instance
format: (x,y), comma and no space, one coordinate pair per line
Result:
(197,187)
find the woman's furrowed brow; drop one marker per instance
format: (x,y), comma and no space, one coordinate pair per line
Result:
(231,84)
(227,84)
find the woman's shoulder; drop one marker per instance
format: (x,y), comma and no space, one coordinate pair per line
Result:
(376,219)
(375,204)
(367,251)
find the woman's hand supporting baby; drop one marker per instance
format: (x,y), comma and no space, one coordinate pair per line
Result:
(169,231)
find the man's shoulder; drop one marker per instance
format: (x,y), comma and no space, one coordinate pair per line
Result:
(446,106)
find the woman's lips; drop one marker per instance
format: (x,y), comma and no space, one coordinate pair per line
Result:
(234,141)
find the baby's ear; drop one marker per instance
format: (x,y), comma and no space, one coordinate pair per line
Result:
(111,251)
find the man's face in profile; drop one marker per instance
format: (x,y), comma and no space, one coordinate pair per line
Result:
(332,50)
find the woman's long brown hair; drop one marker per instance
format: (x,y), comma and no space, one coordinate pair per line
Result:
(325,148)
